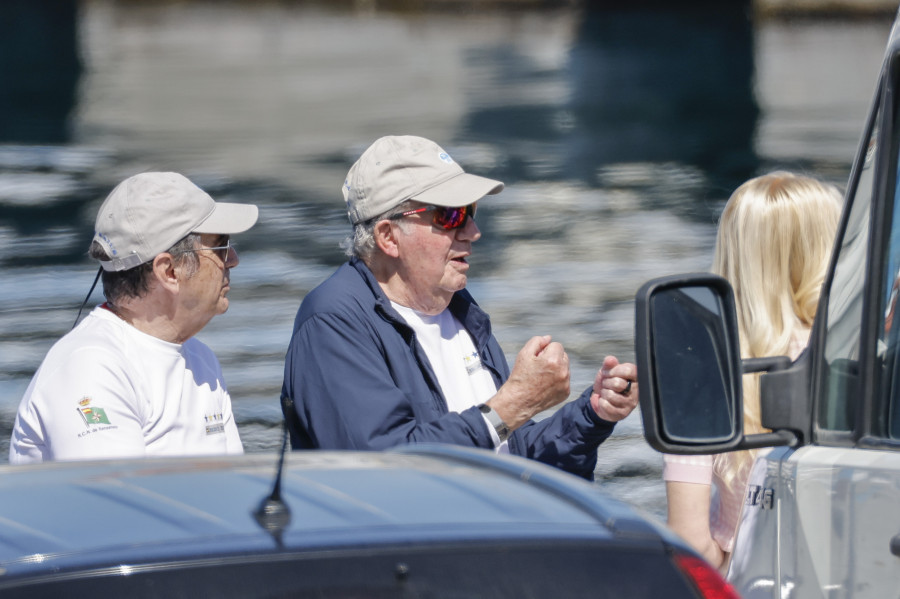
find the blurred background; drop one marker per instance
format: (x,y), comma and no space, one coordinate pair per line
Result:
(620,129)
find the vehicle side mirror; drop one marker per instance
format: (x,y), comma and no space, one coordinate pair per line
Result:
(689,364)
(690,369)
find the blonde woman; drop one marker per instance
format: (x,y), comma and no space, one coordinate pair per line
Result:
(773,245)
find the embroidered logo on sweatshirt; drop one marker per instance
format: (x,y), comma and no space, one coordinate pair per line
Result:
(215,424)
(473,362)
(90,414)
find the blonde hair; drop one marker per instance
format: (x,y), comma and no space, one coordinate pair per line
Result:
(773,245)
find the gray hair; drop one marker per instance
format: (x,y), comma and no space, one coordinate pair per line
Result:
(135,282)
(360,243)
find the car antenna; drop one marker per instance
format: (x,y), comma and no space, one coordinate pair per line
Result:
(273,513)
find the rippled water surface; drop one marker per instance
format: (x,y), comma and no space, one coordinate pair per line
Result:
(619,133)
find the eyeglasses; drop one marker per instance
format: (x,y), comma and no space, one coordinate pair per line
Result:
(445,217)
(220,251)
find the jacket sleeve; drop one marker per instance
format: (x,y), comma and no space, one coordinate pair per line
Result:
(568,439)
(344,396)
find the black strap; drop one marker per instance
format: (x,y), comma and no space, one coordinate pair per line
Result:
(88,296)
(292,424)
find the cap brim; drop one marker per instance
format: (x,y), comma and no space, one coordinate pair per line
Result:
(228,219)
(461,190)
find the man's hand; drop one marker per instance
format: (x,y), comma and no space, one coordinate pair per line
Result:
(539,380)
(615,390)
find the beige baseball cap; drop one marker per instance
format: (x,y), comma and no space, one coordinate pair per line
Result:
(397,168)
(148,213)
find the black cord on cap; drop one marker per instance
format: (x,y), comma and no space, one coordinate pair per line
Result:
(88,296)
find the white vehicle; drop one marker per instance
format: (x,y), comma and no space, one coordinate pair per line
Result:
(822,515)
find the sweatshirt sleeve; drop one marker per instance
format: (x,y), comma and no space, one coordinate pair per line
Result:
(86,408)
(696,469)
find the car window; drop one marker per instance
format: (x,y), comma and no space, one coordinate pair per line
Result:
(887,404)
(477,569)
(845,301)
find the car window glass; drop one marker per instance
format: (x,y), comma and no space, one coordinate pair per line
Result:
(845,301)
(888,401)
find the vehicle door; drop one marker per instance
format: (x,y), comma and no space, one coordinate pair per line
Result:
(824,520)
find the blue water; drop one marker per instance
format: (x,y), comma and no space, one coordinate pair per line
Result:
(619,133)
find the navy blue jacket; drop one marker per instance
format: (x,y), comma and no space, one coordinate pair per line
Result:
(358,379)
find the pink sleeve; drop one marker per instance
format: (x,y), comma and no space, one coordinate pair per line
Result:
(688,468)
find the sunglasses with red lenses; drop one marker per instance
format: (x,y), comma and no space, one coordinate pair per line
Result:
(445,217)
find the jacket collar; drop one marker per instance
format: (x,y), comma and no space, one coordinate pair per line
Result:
(462,306)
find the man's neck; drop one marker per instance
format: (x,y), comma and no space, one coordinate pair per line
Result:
(396,288)
(148,321)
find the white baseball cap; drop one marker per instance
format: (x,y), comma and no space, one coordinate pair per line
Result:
(148,213)
(398,168)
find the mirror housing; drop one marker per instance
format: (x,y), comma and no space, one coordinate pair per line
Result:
(690,368)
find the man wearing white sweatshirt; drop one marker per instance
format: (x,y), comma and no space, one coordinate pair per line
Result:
(130,380)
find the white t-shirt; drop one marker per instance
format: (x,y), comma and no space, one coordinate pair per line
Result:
(464,380)
(107,390)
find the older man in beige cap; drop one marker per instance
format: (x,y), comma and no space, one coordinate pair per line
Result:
(131,380)
(392,349)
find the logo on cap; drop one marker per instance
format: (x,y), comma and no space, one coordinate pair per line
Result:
(112,247)
(445,157)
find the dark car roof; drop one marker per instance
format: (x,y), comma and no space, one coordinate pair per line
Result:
(66,516)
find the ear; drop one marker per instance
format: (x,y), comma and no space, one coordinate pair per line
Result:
(386,238)
(164,272)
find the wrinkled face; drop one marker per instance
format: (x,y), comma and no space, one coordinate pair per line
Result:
(202,295)
(433,260)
